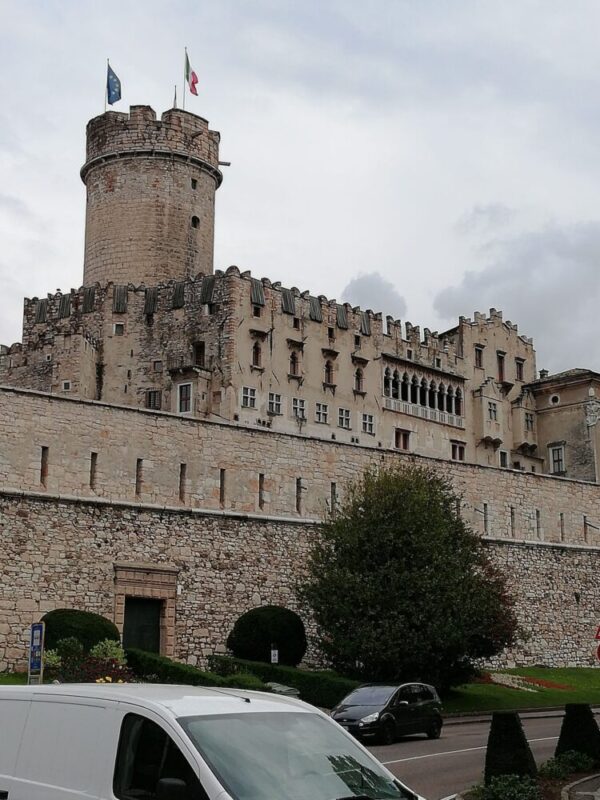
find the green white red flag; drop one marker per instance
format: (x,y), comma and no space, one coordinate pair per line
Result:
(190,76)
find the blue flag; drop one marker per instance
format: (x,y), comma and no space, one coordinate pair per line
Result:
(113,86)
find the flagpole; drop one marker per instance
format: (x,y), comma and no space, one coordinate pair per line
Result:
(184,75)
(106,85)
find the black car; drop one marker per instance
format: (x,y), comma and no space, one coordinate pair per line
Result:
(386,711)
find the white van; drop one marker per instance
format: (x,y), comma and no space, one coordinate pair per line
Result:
(145,741)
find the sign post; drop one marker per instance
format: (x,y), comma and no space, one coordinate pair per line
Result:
(35,672)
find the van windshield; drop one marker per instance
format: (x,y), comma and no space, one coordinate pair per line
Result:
(292,755)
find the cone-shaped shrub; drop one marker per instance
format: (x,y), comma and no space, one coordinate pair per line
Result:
(579,732)
(508,751)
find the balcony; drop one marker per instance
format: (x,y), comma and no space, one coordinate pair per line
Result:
(423,412)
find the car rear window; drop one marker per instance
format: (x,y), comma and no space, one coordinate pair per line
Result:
(370,695)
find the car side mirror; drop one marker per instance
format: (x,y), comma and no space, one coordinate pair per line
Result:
(171,789)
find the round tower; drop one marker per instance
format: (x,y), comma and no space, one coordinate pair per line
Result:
(150,196)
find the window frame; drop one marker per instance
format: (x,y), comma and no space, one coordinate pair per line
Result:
(368,423)
(151,396)
(345,416)
(299,408)
(180,386)
(322,413)
(492,411)
(248,397)
(274,404)
(554,461)
(458,451)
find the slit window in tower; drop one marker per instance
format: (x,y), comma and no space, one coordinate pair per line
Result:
(222,487)
(93,468)
(182,478)
(195,222)
(44,466)
(139,476)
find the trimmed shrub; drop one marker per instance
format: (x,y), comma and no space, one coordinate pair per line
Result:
(159,669)
(566,764)
(109,650)
(508,751)
(324,689)
(508,787)
(87,628)
(579,732)
(256,630)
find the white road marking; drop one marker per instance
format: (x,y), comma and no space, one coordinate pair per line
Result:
(454,752)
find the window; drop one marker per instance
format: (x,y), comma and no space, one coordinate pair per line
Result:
(387,382)
(221,487)
(182,480)
(368,423)
(500,359)
(261,490)
(557,459)
(492,411)
(357,342)
(139,476)
(154,399)
(529,421)
(458,451)
(44,466)
(194,183)
(256,311)
(294,369)
(358,380)
(184,398)
(274,403)
(401,439)
(328,377)
(119,328)
(298,408)
(248,397)
(296,323)
(299,495)
(199,354)
(157,366)
(146,755)
(438,363)
(256,355)
(503,458)
(344,418)
(409,354)
(331,333)
(479,356)
(322,413)
(195,222)
(93,469)
(66,385)
(519,368)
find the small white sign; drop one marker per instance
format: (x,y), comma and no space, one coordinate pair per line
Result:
(274,656)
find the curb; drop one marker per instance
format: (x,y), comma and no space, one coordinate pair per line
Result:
(472,717)
(565,793)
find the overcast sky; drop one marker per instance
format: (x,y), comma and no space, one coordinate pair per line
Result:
(423,158)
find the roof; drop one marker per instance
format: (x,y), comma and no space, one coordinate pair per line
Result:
(568,376)
(178,701)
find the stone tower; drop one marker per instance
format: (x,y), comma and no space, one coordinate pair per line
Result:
(150,196)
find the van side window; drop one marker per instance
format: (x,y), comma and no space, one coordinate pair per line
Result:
(146,755)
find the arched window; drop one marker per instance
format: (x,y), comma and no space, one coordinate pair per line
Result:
(328,372)
(450,400)
(404,388)
(423,393)
(387,383)
(441,397)
(256,355)
(358,380)
(396,385)
(458,403)
(294,363)
(432,394)
(195,222)
(414,390)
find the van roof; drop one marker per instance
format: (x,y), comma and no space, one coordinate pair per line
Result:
(178,701)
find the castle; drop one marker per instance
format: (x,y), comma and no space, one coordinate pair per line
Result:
(171,435)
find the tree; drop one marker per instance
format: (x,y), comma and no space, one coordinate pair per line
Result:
(400,587)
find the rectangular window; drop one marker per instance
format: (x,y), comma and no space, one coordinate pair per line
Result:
(299,408)
(331,333)
(486,519)
(479,357)
(557,459)
(93,468)
(538,523)
(44,466)
(248,397)
(529,420)
(368,423)
(512,521)
(503,458)
(492,411)
(157,366)
(357,342)
(296,323)
(222,487)
(344,418)
(562,526)
(274,403)
(519,368)
(409,354)
(139,476)
(256,311)
(261,491)
(333,499)
(154,399)
(500,358)
(585,529)
(458,451)
(182,478)
(199,354)
(184,398)
(119,329)
(322,413)
(66,385)
(401,439)
(299,495)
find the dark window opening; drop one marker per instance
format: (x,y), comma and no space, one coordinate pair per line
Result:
(479,357)
(401,439)
(222,487)
(500,357)
(297,323)
(44,466)
(93,468)
(256,311)
(154,399)
(195,222)
(299,495)
(199,353)
(256,355)
(182,479)
(194,183)
(139,476)
(261,491)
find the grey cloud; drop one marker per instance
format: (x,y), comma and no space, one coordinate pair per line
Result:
(14,206)
(547,282)
(485,218)
(373,291)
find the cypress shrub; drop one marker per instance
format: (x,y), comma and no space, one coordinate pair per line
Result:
(508,751)
(86,627)
(579,732)
(256,630)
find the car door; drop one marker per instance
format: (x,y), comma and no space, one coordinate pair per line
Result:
(419,705)
(404,710)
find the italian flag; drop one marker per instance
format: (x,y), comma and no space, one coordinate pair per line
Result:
(190,76)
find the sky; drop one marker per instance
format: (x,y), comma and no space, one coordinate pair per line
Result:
(422,158)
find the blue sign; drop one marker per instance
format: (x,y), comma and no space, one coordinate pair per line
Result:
(36,652)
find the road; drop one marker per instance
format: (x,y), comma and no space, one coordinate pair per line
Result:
(454,762)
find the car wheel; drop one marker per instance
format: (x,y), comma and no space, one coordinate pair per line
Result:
(435,729)
(387,734)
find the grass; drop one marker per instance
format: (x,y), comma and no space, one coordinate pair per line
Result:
(12,678)
(473,697)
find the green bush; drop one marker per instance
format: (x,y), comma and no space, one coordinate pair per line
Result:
(579,732)
(69,649)
(84,626)
(163,670)
(109,650)
(324,689)
(507,787)
(256,630)
(566,764)
(508,751)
